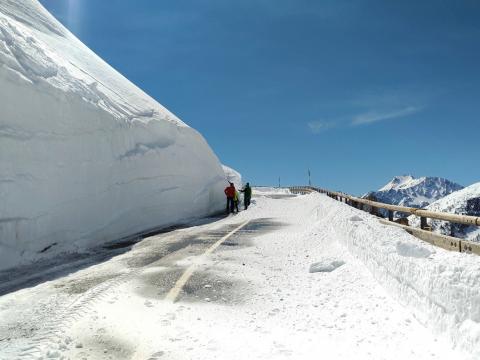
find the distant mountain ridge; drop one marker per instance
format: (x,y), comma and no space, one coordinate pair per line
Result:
(409,191)
(462,202)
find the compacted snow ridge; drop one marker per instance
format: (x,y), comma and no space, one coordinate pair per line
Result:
(462,202)
(86,156)
(414,192)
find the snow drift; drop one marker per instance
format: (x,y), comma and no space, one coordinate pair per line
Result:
(85,156)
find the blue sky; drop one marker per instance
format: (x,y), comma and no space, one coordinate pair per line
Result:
(357,91)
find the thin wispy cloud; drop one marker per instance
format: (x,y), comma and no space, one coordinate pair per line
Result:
(376,116)
(365,118)
(317,127)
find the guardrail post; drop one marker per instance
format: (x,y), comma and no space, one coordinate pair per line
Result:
(423,223)
(390,215)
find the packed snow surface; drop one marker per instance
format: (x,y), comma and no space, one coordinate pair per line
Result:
(254,297)
(86,156)
(462,202)
(415,192)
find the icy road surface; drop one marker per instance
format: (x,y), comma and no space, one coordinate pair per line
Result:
(280,287)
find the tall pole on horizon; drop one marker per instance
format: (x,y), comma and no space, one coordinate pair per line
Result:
(309,178)
(279,182)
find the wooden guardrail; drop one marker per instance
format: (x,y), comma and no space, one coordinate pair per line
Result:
(424,233)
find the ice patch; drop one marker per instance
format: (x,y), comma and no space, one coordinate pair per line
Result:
(412,250)
(326,265)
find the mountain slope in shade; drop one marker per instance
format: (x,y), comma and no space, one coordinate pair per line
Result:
(462,202)
(415,192)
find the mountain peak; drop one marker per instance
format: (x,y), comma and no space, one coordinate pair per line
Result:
(407,190)
(397,181)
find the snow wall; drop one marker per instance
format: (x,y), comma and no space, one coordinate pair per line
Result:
(85,156)
(440,287)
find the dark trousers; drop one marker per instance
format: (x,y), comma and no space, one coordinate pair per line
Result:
(246,201)
(230,205)
(236,205)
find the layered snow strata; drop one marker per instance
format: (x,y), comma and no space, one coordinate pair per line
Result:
(440,287)
(85,156)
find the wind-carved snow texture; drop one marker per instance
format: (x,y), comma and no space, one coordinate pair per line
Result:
(441,287)
(462,202)
(409,191)
(85,156)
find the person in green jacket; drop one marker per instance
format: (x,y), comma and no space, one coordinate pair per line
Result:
(247,191)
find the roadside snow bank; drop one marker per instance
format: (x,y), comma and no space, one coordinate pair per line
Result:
(441,288)
(85,156)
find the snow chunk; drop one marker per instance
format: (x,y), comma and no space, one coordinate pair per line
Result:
(326,265)
(412,250)
(356,218)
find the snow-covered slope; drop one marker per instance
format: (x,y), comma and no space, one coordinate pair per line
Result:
(85,155)
(415,192)
(462,202)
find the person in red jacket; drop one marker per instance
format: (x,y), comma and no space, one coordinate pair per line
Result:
(230,194)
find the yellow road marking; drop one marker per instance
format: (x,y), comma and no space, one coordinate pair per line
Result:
(175,291)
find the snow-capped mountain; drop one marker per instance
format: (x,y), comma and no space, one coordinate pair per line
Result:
(85,155)
(414,192)
(462,202)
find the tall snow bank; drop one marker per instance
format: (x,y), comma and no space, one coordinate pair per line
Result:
(85,156)
(440,287)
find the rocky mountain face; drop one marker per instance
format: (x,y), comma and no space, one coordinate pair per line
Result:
(462,202)
(414,192)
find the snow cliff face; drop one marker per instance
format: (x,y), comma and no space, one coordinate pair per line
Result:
(462,202)
(85,155)
(415,192)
